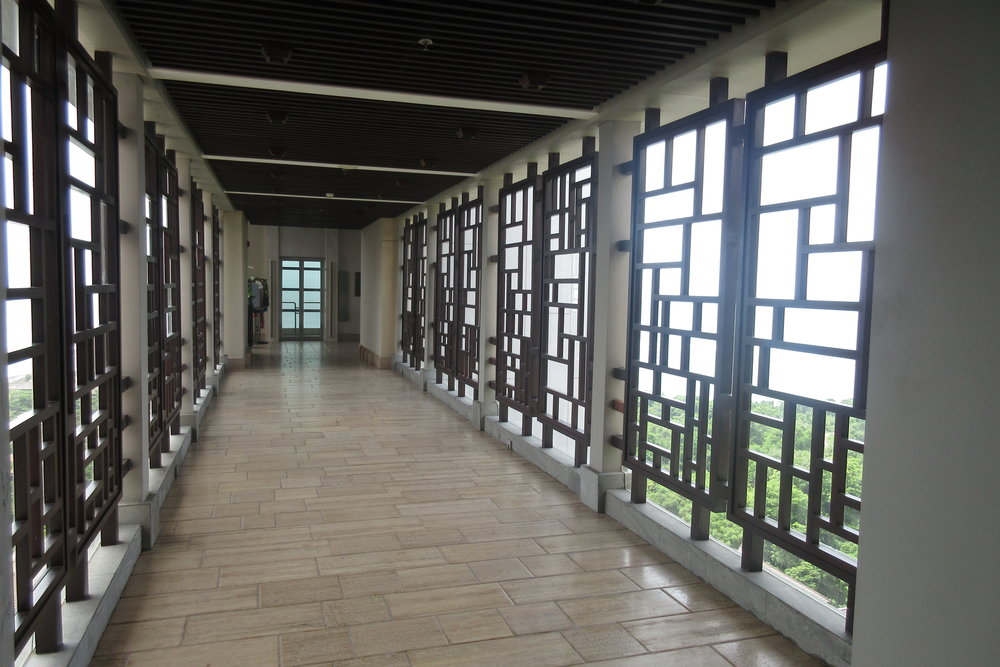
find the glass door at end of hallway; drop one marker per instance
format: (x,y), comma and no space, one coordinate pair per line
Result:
(301,298)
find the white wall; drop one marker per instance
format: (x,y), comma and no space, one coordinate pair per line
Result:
(379,283)
(929,585)
(350,261)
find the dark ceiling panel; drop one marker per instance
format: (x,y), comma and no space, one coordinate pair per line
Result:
(592,49)
(233,121)
(577,53)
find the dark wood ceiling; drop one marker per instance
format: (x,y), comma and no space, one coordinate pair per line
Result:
(581,52)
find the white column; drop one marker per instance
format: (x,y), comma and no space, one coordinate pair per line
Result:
(929,587)
(234,284)
(185,293)
(211,362)
(133,272)
(611,271)
(488,295)
(6,509)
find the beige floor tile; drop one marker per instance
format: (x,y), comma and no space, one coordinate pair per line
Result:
(151,607)
(589,541)
(436,576)
(262,651)
(258,573)
(168,561)
(528,619)
(464,553)
(315,646)
(433,537)
(543,566)
(699,597)
(387,660)
(513,531)
(235,509)
(773,651)
(568,586)
(621,607)
(141,635)
(695,629)
(379,560)
(473,626)
(660,575)
(394,636)
(299,591)
(357,585)
(606,559)
(445,600)
(355,611)
(157,584)
(600,642)
(700,656)
(199,526)
(252,521)
(229,625)
(277,553)
(446,507)
(363,544)
(503,569)
(334,514)
(536,650)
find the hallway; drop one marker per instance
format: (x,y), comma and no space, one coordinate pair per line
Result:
(332,513)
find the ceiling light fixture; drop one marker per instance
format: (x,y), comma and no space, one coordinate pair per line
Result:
(426,42)
(467,132)
(277,117)
(276,53)
(277,151)
(534,80)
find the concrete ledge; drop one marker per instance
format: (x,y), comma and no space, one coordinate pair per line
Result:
(557,464)
(147,513)
(419,378)
(464,406)
(594,485)
(201,403)
(815,627)
(85,621)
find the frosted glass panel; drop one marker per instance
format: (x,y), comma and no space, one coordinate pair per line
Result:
(655,156)
(864,174)
(663,244)
(833,104)
(803,172)
(706,251)
(682,166)
(670,206)
(776,255)
(779,121)
(834,276)
(828,328)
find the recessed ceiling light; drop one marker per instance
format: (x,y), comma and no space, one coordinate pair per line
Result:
(277,151)
(277,117)
(534,80)
(276,53)
(467,132)
(426,42)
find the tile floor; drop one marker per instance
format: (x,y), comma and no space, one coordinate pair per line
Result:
(334,514)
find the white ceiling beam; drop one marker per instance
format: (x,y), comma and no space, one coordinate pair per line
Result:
(215,79)
(273,194)
(333,165)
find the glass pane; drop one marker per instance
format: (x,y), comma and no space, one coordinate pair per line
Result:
(655,156)
(682,166)
(670,206)
(80,221)
(706,250)
(663,244)
(822,224)
(833,104)
(290,299)
(311,320)
(813,376)
(309,264)
(714,169)
(779,121)
(290,278)
(802,172)
(829,328)
(18,255)
(777,248)
(879,79)
(864,175)
(312,279)
(82,165)
(834,276)
(19,334)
